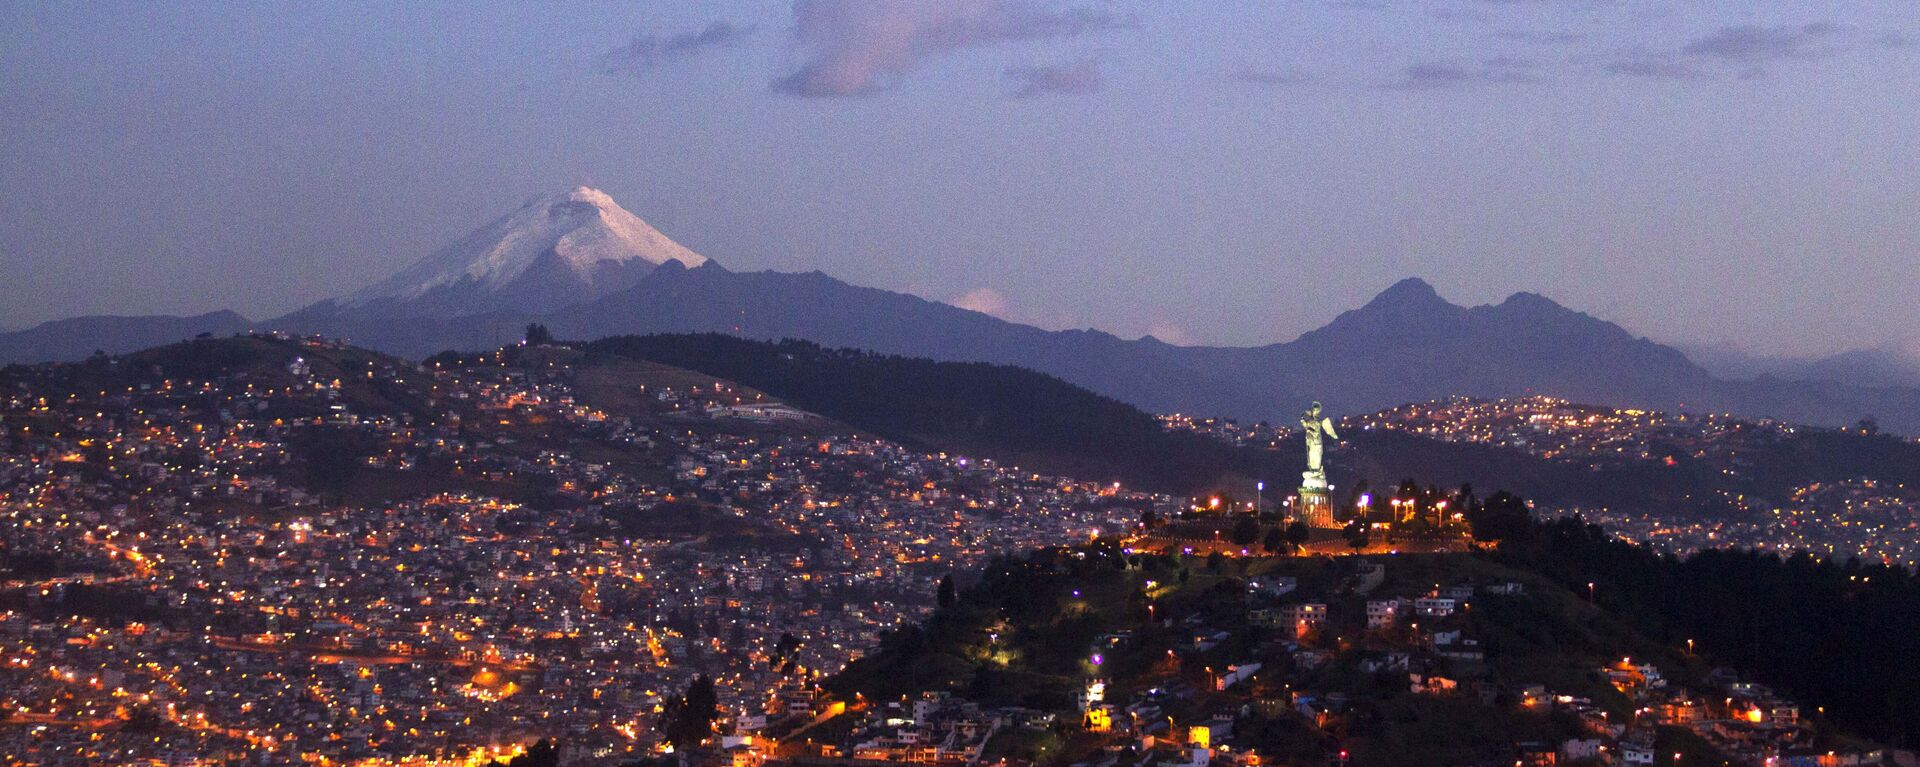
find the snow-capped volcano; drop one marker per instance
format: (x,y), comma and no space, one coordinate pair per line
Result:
(555,251)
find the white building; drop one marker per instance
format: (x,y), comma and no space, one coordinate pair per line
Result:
(1382,613)
(1434,607)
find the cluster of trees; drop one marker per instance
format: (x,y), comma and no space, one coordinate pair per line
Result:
(1274,539)
(1837,635)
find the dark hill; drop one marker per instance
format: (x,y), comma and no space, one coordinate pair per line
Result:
(264,361)
(1836,633)
(1038,421)
(72,339)
(996,411)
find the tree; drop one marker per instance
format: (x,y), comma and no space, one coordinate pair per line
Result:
(541,754)
(784,653)
(1502,517)
(1216,562)
(1356,534)
(947,597)
(987,681)
(1275,541)
(538,335)
(1246,531)
(1298,534)
(691,720)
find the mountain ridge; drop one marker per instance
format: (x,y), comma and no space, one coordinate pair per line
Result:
(1406,344)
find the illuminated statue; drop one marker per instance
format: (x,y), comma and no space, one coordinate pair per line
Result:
(1316,426)
(1314,507)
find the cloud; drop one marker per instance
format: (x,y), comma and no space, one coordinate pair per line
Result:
(1741,51)
(1432,75)
(984,301)
(857,47)
(648,50)
(1080,76)
(1751,44)
(995,304)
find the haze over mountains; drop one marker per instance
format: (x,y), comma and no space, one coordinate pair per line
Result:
(1886,365)
(587,268)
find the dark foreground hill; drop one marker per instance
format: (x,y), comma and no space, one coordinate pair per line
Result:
(1837,633)
(266,362)
(1042,422)
(996,411)
(1832,638)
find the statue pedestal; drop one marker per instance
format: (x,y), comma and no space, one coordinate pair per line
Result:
(1314,509)
(1314,506)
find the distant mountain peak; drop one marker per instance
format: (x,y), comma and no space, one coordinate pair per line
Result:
(1532,310)
(578,237)
(1411,290)
(1410,307)
(582,193)
(1409,299)
(1412,284)
(1528,300)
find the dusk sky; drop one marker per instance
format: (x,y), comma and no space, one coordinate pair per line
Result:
(1220,172)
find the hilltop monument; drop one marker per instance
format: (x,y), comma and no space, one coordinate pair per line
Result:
(1314,507)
